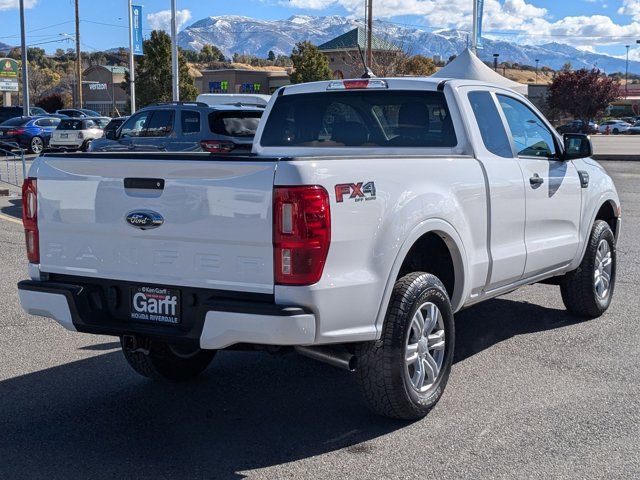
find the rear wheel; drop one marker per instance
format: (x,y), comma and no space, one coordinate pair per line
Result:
(616,131)
(85,145)
(403,374)
(165,362)
(587,291)
(36,145)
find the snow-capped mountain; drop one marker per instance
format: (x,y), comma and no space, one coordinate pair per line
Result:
(237,34)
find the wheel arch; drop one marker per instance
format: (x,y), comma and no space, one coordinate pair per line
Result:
(442,235)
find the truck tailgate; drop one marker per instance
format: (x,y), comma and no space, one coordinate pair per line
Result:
(214,216)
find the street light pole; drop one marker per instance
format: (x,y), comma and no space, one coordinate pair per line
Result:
(25,61)
(537,62)
(495,62)
(132,66)
(626,75)
(174,53)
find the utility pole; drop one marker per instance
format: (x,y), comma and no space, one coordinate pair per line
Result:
(25,61)
(495,62)
(369,33)
(78,57)
(537,62)
(174,53)
(132,66)
(474,34)
(626,75)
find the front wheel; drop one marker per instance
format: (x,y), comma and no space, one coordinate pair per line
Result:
(403,375)
(166,362)
(587,290)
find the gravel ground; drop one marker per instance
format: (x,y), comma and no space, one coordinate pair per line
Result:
(532,394)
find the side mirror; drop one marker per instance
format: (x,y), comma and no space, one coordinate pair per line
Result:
(577,145)
(111,135)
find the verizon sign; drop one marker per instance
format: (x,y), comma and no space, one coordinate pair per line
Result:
(97,86)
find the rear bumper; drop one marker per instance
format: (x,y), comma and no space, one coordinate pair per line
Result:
(211,322)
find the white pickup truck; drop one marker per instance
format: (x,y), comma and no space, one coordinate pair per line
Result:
(369,212)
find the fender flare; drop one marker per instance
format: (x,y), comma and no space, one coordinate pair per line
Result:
(453,241)
(604,198)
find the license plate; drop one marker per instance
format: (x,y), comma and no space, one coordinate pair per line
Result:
(154,304)
(64,135)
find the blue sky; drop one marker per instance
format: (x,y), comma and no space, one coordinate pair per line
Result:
(600,25)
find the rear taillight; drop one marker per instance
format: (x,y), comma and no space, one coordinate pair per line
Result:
(217,146)
(301,234)
(16,131)
(30,219)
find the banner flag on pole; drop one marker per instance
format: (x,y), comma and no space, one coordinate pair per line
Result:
(136,16)
(480,4)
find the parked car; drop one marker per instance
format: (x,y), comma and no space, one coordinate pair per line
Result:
(369,212)
(78,112)
(185,126)
(215,99)
(76,134)
(30,133)
(614,126)
(635,129)
(578,126)
(16,111)
(111,128)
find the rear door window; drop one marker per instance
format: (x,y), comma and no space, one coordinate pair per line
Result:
(234,123)
(362,118)
(489,122)
(70,124)
(160,124)
(190,122)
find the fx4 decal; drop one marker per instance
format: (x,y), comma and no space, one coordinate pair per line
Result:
(359,192)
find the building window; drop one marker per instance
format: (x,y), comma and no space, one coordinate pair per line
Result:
(331,59)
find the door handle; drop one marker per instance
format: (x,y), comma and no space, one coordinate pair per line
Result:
(536,180)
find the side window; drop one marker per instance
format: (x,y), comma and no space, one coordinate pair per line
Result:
(89,124)
(41,123)
(161,124)
(135,126)
(531,137)
(190,121)
(494,136)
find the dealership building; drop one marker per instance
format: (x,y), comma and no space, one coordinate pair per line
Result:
(102,90)
(235,80)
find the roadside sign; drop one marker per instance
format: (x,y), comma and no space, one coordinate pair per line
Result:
(136,20)
(9,69)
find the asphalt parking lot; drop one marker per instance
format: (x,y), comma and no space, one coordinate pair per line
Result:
(533,394)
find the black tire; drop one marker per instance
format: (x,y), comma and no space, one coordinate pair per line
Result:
(381,364)
(36,145)
(168,363)
(577,287)
(616,131)
(85,145)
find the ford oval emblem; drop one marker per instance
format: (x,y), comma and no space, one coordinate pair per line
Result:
(144,219)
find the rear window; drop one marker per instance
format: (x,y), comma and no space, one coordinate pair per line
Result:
(363,118)
(70,124)
(102,122)
(14,122)
(234,124)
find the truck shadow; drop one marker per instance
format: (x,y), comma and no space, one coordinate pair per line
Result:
(94,418)
(14,209)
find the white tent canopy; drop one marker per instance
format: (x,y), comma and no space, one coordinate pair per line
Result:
(469,67)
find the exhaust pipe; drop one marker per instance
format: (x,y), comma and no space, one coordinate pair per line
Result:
(337,358)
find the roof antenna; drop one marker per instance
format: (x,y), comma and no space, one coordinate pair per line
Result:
(368,73)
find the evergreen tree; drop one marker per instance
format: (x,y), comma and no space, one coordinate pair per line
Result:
(309,63)
(271,56)
(153,72)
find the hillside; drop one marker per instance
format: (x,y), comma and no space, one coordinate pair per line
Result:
(237,34)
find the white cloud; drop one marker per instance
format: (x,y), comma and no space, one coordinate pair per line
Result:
(11,4)
(162,20)
(631,8)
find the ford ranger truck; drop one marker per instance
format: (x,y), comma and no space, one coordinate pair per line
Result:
(367,214)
